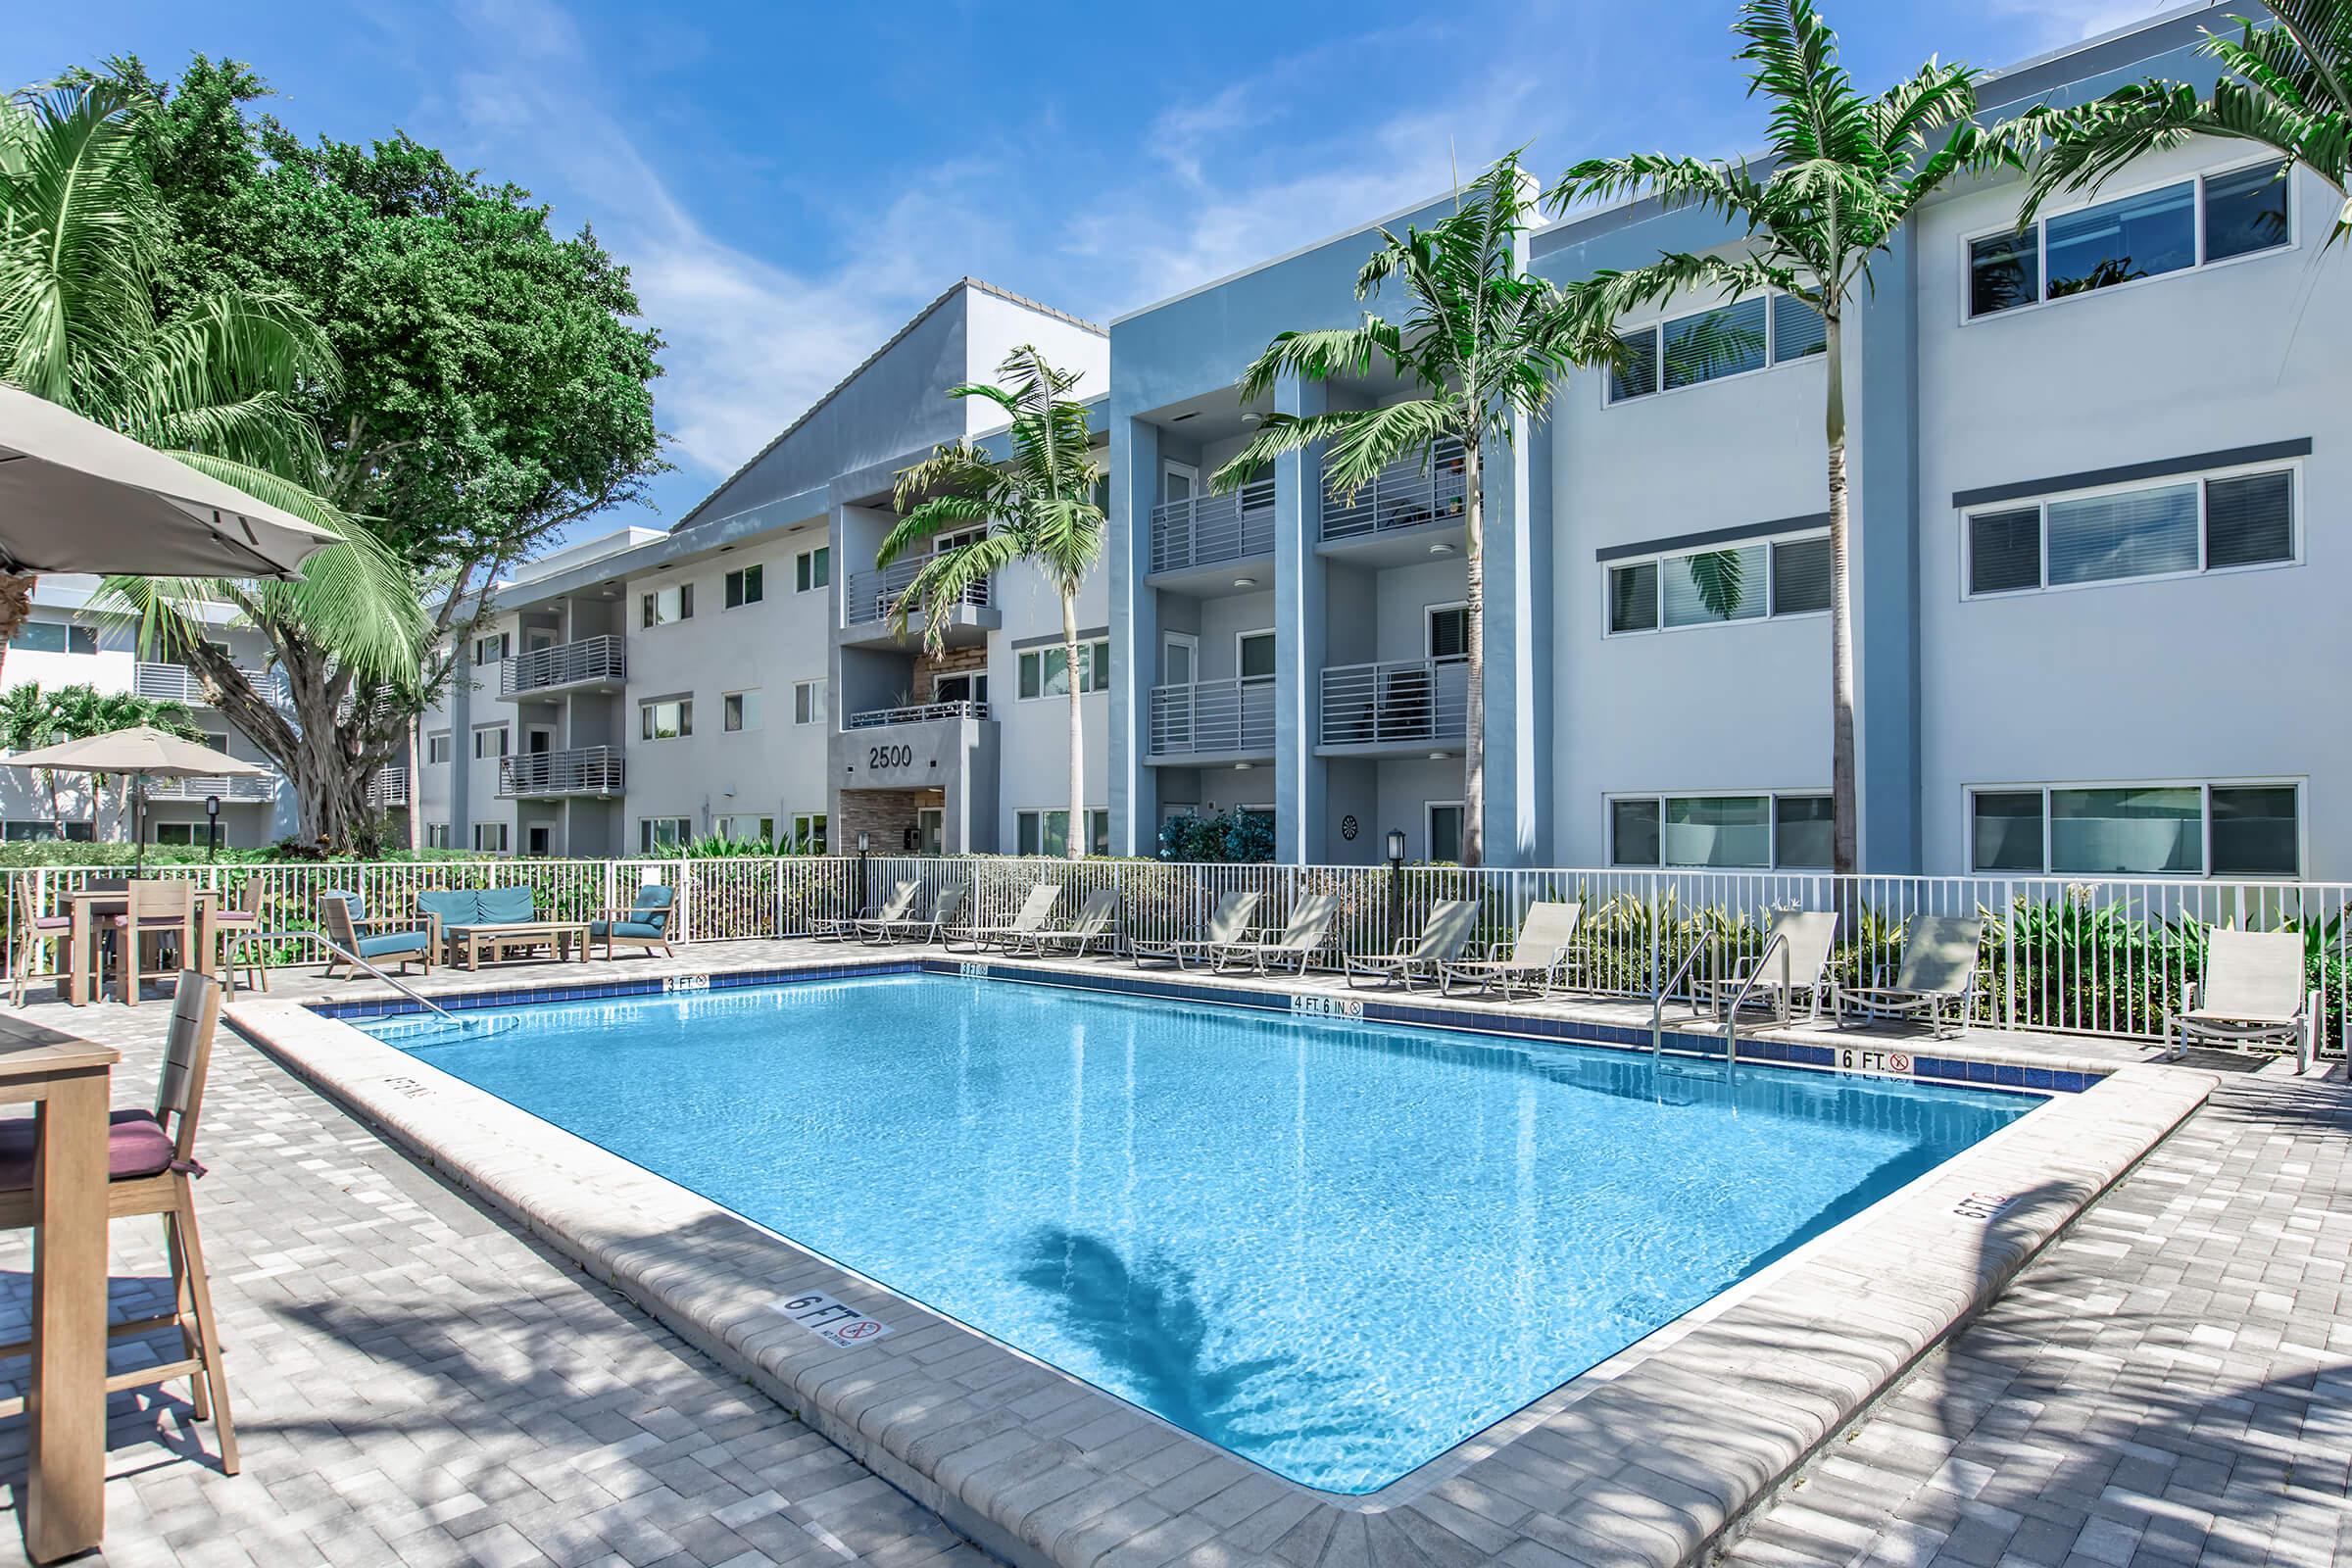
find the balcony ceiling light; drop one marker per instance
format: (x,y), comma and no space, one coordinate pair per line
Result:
(1245,582)
(1440,548)
(1440,757)
(1181,418)
(1242,767)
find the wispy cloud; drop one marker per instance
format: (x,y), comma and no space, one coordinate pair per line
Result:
(2051,24)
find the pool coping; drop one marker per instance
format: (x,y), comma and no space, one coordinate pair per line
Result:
(1648,1458)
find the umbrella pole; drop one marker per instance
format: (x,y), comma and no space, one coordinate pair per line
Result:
(139,815)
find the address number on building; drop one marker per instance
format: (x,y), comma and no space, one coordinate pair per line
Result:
(830,1320)
(889,756)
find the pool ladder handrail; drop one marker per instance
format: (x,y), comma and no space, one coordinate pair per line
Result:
(1730,1020)
(357,962)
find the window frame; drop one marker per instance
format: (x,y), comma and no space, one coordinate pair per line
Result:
(2202,478)
(1429,632)
(648,598)
(505,650)
(742,587)
(2300,784)
(447,741)
(436,835)
(725,824)
(1023,656)
(685,707)
(818,700)
(1040,814)
(1241,640)
(802,822)
(1656,324)
(505,842)
(646,842)
(747,710)
(807,577)
(1429,827)
(69,632)
(1771,541)
(1659,798)
(506,742)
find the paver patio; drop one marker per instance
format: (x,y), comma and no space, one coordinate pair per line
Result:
(418,1383)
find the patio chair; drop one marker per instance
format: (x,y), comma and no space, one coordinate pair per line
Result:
(644,924)
(238,934)
(1228,922)
(845,927)
(33,929)
(154,910)
(1095,922)
(344,917)
(1302,937)
(926,927)
(1800,963)
(1450,925)
(1534,958)
(2254,992)
(1937,975)
(151,1168)
(1031,916)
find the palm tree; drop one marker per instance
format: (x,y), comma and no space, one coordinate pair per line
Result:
(28,720)
(1043,504)
(2287,86)
(1482,343)
(1844,174)
(32,715)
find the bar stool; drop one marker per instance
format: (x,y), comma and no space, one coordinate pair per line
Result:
(239,931)
(34,928)
(153,908)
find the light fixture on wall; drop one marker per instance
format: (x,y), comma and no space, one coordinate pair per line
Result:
(1440,548)
(1440,757)
(1242,767)
(1245,582)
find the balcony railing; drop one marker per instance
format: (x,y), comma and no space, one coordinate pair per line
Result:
(176,683)
(1213,716)
(1204,529)
(1412,700)
(243,790)
(871,596)
(582,770)
(1403,495)
(389,787)
(919,713)
(591,659)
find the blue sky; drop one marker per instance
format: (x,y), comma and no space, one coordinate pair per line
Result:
(790,183)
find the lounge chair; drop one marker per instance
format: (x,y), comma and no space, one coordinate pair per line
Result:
(1031,917)
(2254,992)
(927,927)
(1937,974)
(1534,958)
(344,917)
(1228,923)
(645,923)
(902,898)
(1802,963)
(1302,938)
(1094,924)
(1450,925)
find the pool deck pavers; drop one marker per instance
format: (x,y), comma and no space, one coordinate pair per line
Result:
(420,1381)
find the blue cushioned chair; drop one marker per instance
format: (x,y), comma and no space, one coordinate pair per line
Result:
(645,923)
(344,915)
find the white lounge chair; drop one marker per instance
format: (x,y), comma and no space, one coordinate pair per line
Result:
(1228,922)
(1094,925)
(1937,975)
(911,926)
(1800,961)
(902,898)
(2254,994)
(1534,957)
(1450,925)
(1302,937)
(1031,916)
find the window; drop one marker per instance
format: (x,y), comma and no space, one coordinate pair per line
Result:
(436,835)
(808,702)
(745,585)
(738,711)
(1045,671)
(813,568)
(1049,832)
(175,833)
(28,831)
(808,832)
(2246,519)
(1732,582)
(489,741)
(667,719)
(1450,631)
(970,688)
(2251,830)
(1717,832)
(538,839)
(1446,832)
(437,748)
(1709,345)
(746,828)
(54,637)
(489,649)
(660,607)
(2240,213)
(656,834)
(490,838)
(1253,655)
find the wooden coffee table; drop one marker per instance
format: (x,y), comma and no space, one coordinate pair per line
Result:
(561,937)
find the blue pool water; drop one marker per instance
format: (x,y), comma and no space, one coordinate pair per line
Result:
(1337,1248)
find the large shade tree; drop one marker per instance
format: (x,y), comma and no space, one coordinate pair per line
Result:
(1481,345)
(1041,503)
(1843,172)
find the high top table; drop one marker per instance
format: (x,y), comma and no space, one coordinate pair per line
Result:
(92,907)
(66,1081)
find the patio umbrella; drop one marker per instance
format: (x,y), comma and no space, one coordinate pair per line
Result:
(75,496)
(142,752)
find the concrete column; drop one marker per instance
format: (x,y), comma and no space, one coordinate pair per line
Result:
(1519,656)
(460,751)
(1134,633)
(1298,642)
(1882,445)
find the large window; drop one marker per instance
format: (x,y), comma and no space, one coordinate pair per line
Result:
(53,637)
(2252,830)
(656,834)
(667,719)
(1709,345)
(1732,582)
(2157,530)
(30,831)
(812,569)
(1720,832)
(489,741)
(490,838)
(1045,671)
(1049,832)
(745,585)
(2146,234)
(808,832)
(746,828)
(658,606)
(489,649)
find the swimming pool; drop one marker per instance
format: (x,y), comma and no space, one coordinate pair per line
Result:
(1334,1247)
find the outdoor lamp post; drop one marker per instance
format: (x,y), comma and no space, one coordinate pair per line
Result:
(211,827)
(1396,885)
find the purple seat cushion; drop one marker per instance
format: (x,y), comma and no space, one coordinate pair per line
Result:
(136,1146)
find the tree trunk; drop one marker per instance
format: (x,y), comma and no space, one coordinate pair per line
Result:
(1474,660)
(1842,834)
(1078,838)
(15,605)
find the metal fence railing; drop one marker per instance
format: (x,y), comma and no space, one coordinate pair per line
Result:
(603,659)
(2105,957)
(1203,531)
(1211,716)
(1427,488)
(1404,700)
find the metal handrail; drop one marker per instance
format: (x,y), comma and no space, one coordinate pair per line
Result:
(1730,1019)
(872,596)
(918,713)
(357,962)
(1424,489)
(1657,1003)
(1204,529)
(1398,699)
(1211,716)
(600,658)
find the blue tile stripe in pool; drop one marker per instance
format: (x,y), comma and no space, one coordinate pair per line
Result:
(1956,1070)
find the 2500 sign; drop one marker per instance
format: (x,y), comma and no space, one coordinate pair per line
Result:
(889,756)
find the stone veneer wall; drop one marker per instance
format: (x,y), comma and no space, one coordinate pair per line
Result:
(886,815)
(929,666)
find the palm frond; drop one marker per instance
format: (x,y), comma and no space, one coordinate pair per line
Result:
(1324,354)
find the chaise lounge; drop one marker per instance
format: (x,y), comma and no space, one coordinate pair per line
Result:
(352,932)
(644,924)
(1228,923)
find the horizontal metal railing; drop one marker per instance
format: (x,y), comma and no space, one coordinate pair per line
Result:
(1204,529)
(1213,716)
(872,596)
(581,770)
(177,683)
(1403,495)
(240,787)
(1405,700)
(591,659)
(919,713)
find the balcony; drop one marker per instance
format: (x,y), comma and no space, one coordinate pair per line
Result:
(389,788)
(1409,494)
(1404,705)
(239,790)
(542,775)
(1208,531)
(870,600)
(921,714)
(593,663)
(176,683)
(1231,719)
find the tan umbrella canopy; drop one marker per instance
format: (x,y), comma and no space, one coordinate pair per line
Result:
(75,496)
(143,752)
